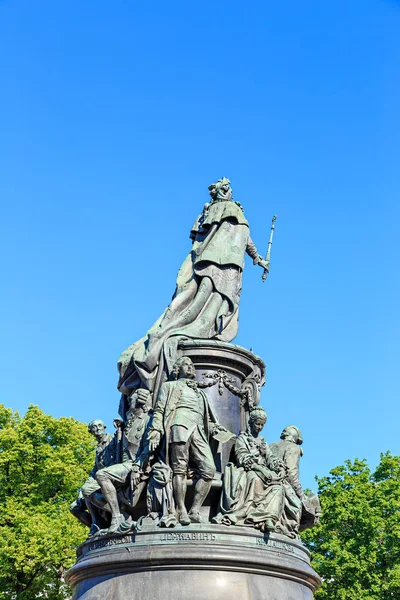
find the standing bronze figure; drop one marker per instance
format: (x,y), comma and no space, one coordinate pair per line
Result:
(205,304)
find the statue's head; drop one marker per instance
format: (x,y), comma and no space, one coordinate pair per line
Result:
(183,369)
(292,434)
(220,191)
(257,420)
(97,428)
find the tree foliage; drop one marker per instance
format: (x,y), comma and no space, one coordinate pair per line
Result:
(43,462)
(356,548)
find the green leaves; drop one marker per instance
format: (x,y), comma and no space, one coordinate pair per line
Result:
(356,548)
(43,462)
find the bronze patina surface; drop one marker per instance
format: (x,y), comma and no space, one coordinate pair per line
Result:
(188,498)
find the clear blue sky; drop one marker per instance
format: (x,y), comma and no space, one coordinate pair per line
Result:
(115,117)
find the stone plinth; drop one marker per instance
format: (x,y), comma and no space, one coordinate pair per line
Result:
(199,562)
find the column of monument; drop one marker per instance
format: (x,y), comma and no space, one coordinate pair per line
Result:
(187,498)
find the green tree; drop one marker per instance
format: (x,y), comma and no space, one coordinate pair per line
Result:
(43,462)
(356,548)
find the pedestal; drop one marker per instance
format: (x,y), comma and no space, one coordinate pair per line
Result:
(198,562)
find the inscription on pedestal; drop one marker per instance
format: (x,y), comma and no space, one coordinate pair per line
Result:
(179,536)
(188,536)
(109,542)
(274,544)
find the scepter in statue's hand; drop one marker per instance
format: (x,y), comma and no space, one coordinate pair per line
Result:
(268,255)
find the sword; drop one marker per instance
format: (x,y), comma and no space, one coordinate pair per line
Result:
(268,255)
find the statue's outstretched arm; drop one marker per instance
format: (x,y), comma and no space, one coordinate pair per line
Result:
(252,251)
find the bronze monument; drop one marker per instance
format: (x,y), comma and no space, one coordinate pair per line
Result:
(187,498)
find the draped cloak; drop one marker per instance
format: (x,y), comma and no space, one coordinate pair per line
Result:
(205,304)
(247,499)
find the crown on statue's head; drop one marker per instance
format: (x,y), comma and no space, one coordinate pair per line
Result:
(221,190)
